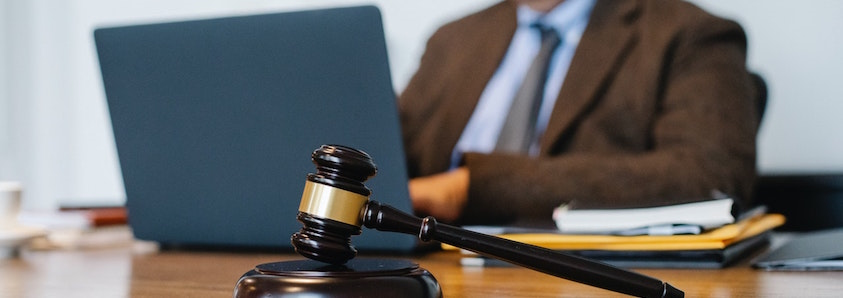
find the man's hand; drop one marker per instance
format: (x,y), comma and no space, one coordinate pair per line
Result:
(442,195)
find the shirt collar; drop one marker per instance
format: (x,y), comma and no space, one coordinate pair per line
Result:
(563,17)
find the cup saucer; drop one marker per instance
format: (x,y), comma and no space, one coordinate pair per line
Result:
(13,237)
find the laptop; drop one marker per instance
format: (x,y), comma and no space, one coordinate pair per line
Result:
(214,122)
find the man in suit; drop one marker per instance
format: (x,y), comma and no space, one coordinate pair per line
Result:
(650,104)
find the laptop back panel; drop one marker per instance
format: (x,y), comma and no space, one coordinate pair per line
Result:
(215,120)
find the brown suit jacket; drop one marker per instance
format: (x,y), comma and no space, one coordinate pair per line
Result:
(658,107)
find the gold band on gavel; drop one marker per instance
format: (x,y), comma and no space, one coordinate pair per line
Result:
(329,202)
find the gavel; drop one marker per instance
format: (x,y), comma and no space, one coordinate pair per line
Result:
(335,204)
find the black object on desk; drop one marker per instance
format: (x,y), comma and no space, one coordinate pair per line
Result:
(819,195)
(822,250)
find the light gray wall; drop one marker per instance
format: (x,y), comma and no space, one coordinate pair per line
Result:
(798,47)
(56,134)
(4,97)
(58,140)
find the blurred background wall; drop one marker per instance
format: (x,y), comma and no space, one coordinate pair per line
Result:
(55,133)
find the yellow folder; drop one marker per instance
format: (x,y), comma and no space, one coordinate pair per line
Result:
(718,238)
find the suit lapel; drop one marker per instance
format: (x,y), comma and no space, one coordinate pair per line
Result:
(608,36)
(485,59)
(487,56)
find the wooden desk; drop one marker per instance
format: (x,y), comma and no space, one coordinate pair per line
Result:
(138,271)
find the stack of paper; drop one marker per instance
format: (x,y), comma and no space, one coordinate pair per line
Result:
(633,237)
(656,220)
(711,249)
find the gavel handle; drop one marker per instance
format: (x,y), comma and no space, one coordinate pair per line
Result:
(386,218)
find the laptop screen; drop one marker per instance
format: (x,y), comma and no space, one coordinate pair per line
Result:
(215,121)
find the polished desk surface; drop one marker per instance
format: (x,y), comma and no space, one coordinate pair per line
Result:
(140,270)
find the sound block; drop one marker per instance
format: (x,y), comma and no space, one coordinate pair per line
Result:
(360,277)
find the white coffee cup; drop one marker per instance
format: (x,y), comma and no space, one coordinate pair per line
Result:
(10,201)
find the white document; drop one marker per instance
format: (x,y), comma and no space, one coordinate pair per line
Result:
(705,214)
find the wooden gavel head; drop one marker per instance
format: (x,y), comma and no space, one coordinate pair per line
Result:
(332,204)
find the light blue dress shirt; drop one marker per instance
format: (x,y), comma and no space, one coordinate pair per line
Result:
(569,19)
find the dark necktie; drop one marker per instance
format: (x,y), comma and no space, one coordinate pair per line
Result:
(519,129)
